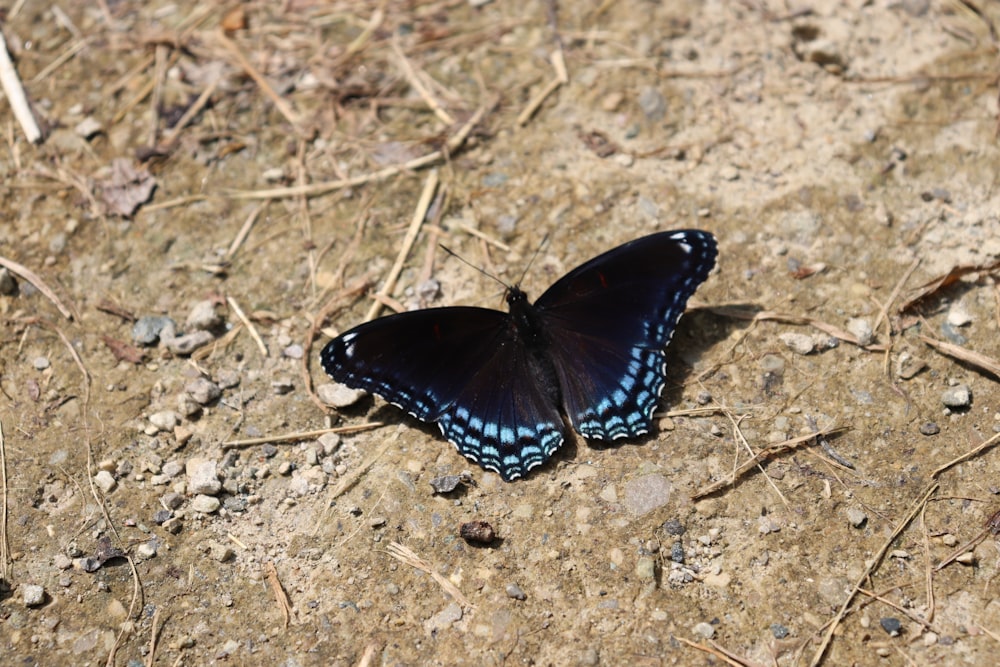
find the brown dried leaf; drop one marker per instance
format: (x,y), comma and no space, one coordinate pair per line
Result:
(123,351)
(127,189)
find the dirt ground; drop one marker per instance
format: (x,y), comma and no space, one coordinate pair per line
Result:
(165,503)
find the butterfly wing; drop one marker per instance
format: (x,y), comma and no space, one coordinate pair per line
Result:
(608,322)
(463,368)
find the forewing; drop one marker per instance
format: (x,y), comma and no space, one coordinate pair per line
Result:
(462,368)
(608,322)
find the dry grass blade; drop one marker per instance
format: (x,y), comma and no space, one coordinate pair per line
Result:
(975,359)
(316,189)
(942,281)
(14,90)
(298,436)
(419,214)
(39,284)
(248,324)
(561,78)
(719,653)
(760,457)
(280,596)
(414,80)
(406,555)
(279,102)
(6,564)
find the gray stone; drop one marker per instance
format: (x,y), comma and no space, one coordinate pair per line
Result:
(165,420)
(204,316)
(188,343)
(147,329)
(338,395)
(203,391)
(704,630)
(145,551)
(958,396)
(862,330)
(205,504)
(105,481)
(856,517)
(33,595)
(203,476)
(798,343)
(514,591)
(644,494)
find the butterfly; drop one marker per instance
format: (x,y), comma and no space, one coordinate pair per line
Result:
(591,348)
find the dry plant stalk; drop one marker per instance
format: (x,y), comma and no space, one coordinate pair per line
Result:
(14,90)
(280,596)
(407,555)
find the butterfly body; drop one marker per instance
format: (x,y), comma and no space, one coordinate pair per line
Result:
(498,384)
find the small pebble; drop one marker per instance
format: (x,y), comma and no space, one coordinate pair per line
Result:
(204,317)
(338,395)
(145,551)
(677,552)
(798,343)
(514,591)
(173,525)
(779,631)
(40,363)
(645,568)
(856,517)
(105,481)
(147,329)
(203,391)
(203,476)
(958,396)
(220,552)
(862,330)
(188,343)
(673,527)
(282,386)
(8,284)
(642,495)
(652,103)
(165,420)
(477,533)
(33,595)
(891,625)
(704,630)
(62,561)
(929,428)
(293,351)
(159,516)
(205,504)
(448,483)
(958,316)
(88,127)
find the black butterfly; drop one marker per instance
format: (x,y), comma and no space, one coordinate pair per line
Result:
(591,348)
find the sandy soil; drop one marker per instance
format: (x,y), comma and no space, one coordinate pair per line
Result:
(843,153)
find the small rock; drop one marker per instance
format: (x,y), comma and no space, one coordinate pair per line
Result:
(172,469)
(147,329)
(645,568)
(205,504)
(652,103)
(891,625)
(907,366)
(88,564)
(448,483)
(8,284)
(779,631)
(173,525)
(105,481)
(188,343)
(929,428)
(145,551)
(293,351)
(282,386)
(704,630)
(958,316)
(203,476)
(88,127)
(203,391)
(329,441)
(478,533)
(514,591)
(674,527)
(338,395)
(444,619)
(862,330)
(220,552)
(40,363)
(204,317)
(856,517)
(33,595)
(62,561)
(677,552)
(644,494)
(165,420)
(798,343)
(958,396)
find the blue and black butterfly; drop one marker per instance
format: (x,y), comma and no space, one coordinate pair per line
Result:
(498,384)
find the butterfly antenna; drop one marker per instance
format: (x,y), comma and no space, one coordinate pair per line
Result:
(545,242)
(473,266)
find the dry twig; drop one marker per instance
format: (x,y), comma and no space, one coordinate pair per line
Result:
(39,284)
(14,90)
(407,555)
